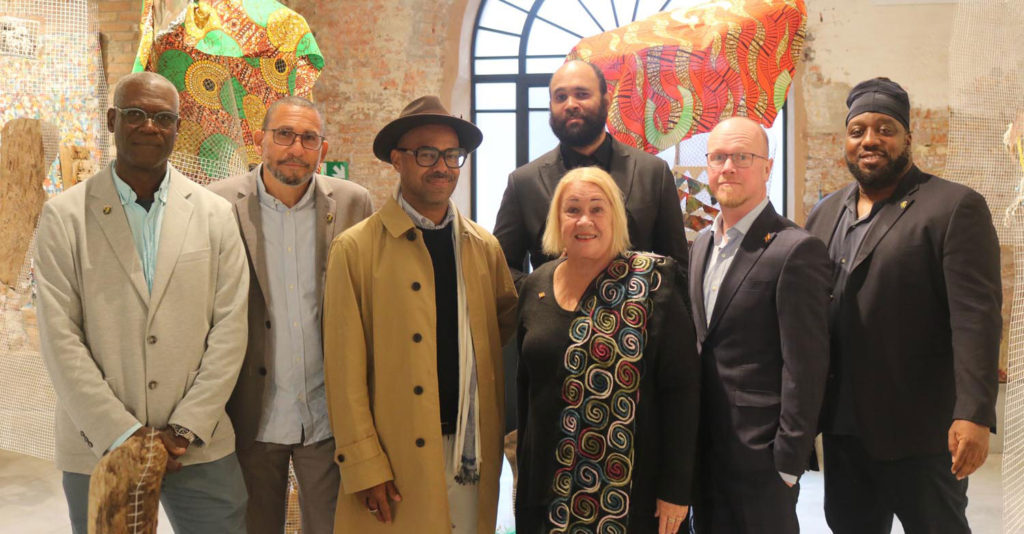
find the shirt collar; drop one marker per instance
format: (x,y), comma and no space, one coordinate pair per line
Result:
(418,219)
(127,195)
(272,202)
(742,226)
(602,156)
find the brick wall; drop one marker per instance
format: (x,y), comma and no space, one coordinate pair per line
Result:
(118,24)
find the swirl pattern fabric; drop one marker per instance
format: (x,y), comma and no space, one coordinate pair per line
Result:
(678,73)
(604,363)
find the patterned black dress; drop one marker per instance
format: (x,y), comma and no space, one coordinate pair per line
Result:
(608,400)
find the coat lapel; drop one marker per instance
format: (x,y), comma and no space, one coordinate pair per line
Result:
(701,248)
(247,209)
(623,168)
(173,229)
(891,211)
(552,171)
(831,211)
(106,208)
(754,243)
(326,218)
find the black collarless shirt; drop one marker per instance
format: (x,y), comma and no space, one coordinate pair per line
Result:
(602,156)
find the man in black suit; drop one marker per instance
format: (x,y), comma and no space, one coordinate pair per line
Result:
(915,330)
(579,110)
(759,292)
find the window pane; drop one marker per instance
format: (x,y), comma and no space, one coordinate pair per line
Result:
(544,65)
(546,39)
(501,16)
(542,139)
(495,44)
(496,96)
(497,66)
(495,159)
(539,97)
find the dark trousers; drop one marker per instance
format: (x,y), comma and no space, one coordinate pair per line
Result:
(745,503)
(862,493)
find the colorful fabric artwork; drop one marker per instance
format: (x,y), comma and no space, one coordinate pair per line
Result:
(601,392)
(679,72)
(229,59)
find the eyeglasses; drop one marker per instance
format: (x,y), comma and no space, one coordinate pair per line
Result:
(285,137)
(427,156)
(740,160)
(161,119)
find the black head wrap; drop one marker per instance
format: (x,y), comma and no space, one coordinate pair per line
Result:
(879,95)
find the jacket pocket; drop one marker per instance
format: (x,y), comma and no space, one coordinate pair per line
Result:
(756,399)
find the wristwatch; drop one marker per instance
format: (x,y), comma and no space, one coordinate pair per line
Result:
(183,432)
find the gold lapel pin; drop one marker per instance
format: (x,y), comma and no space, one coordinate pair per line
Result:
(768,238)
(903,204)
(330,217)
(540,295)
(106,210)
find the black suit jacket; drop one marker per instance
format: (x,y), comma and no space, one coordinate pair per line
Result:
(919,323)
(652,207)
(764,355)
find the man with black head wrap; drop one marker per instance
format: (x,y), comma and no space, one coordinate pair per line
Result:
(915,325)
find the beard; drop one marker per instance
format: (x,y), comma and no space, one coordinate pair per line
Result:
(287,179)
(583,134)
(884,176)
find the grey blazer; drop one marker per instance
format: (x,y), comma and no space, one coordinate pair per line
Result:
(339,205)
(119,354)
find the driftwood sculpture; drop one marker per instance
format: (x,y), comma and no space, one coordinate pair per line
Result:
(124,492)
(23,166)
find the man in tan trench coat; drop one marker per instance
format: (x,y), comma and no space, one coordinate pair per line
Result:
(418,302)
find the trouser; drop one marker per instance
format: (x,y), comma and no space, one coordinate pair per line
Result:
(749,502)
(265,468)
(462,499)
(199,499)
(862,493)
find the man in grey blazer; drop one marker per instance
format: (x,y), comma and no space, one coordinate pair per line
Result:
(288,216)
(911,396)
(141,292)
(759,290)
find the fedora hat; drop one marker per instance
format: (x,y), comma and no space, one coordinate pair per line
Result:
(424,110)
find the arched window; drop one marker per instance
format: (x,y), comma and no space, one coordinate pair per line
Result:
(517,45)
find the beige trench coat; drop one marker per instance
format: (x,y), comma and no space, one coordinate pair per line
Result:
(379,346)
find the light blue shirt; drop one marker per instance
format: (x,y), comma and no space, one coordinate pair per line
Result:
(145,227)
(295,402)
(722,253)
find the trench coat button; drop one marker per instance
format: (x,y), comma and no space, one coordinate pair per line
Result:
(263,371)
(418,390)
(417,337)
(341,458)
(415,286)
(420,442)
(151,340)
(267,324)
(152,384)
(411,235)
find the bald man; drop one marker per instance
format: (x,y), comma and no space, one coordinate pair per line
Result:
(759,288)
(142,289)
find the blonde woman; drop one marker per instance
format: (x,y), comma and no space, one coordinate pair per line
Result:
(608,379)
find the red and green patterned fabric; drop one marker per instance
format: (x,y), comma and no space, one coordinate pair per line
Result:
(229,59)
(678,73)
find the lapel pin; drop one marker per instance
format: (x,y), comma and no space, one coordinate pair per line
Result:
(330,217)
(768,237)
(903,205)
(540,295)
(106,210)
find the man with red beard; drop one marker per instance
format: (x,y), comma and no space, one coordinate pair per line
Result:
(915,326)
(288,215)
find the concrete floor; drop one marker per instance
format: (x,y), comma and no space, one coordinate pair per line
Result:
(32,501)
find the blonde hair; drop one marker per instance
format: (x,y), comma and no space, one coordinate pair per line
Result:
(552,243)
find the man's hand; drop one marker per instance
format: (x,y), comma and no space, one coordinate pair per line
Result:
(968,443)
(670,516)
(175,445)
(376,500)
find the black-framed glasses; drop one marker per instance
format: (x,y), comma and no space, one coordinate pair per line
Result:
(286,137)
(427,156)
(740,160)
(135,117)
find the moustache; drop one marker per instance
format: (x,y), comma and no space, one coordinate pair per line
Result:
(295,160)
(440,176)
